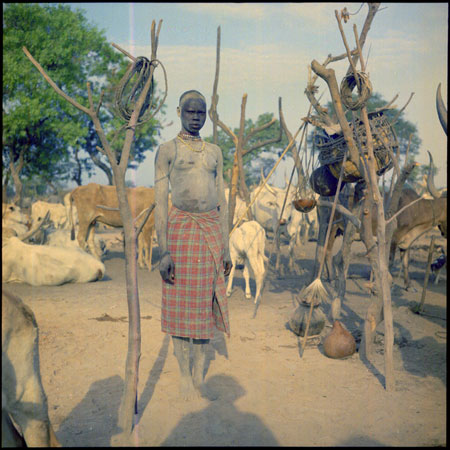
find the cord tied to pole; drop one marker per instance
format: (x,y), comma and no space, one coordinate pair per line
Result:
(130,88)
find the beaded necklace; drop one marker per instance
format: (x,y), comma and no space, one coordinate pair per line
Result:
(189,137)
(192,148)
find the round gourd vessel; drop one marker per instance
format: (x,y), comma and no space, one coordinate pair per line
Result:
(339,343)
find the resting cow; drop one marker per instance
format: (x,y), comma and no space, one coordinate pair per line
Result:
(41,265)
(14,218)
(57,212)
(61,238)
(247,244)
(23,397)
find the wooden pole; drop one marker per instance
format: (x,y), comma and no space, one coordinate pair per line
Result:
(322,262)
(268,176)
(128,406)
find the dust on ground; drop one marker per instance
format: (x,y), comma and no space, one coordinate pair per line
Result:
(266,393)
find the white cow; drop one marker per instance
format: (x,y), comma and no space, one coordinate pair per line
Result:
(240,208)
(61,238)
(23,396)
(247,243)
(266,209)
(74,211)
(41,265)
(57,212)
(300,226)
(14,218)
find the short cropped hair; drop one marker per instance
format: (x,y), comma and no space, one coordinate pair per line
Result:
(190,94)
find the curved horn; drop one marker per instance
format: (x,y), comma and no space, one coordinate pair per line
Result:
(108,208)
(430,180)
(261,180)
(35,228)
(146,212)
(266,185)
(270,189)
(441,110)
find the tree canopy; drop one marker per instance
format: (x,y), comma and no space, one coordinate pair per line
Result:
(38,125)
(146,134)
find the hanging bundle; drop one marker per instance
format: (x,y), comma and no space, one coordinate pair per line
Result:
(130,88)
(333,148)
(304,200)
(304,205)
(348,84)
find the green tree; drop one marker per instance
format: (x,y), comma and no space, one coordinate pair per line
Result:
(146,137)
(43,135)
(38,126)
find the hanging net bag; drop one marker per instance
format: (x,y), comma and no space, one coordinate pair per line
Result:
(332,148)
(304,199)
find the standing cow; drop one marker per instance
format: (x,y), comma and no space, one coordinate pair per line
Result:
(98,203)
(23,396)
(72,216)
(240,209)
(300,227)
(266,209)
(247,243)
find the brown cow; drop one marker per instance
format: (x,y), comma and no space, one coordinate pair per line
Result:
(89,200)
(24,403)
(411,223)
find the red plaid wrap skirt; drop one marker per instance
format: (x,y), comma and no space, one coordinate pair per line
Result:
(196,302)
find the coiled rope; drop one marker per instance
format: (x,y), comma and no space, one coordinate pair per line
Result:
(138,74)
(348,84)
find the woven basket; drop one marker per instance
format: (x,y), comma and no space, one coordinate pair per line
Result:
(332,148)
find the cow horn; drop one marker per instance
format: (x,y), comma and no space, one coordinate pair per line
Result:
(146,213)
(430,180)
(35,228)
(108,208)
(261,181)
(441,110)
(271,190)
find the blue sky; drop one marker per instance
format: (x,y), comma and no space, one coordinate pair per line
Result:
(265,52)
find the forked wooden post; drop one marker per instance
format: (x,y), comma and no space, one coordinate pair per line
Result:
(240,142)
(128,405)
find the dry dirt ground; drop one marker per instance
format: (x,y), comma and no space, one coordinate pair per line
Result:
(267,395)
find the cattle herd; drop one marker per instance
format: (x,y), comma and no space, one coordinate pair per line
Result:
(56,244)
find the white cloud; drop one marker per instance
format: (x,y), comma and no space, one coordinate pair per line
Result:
(316,13)
(398,63)
(253,11)
(249,68)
